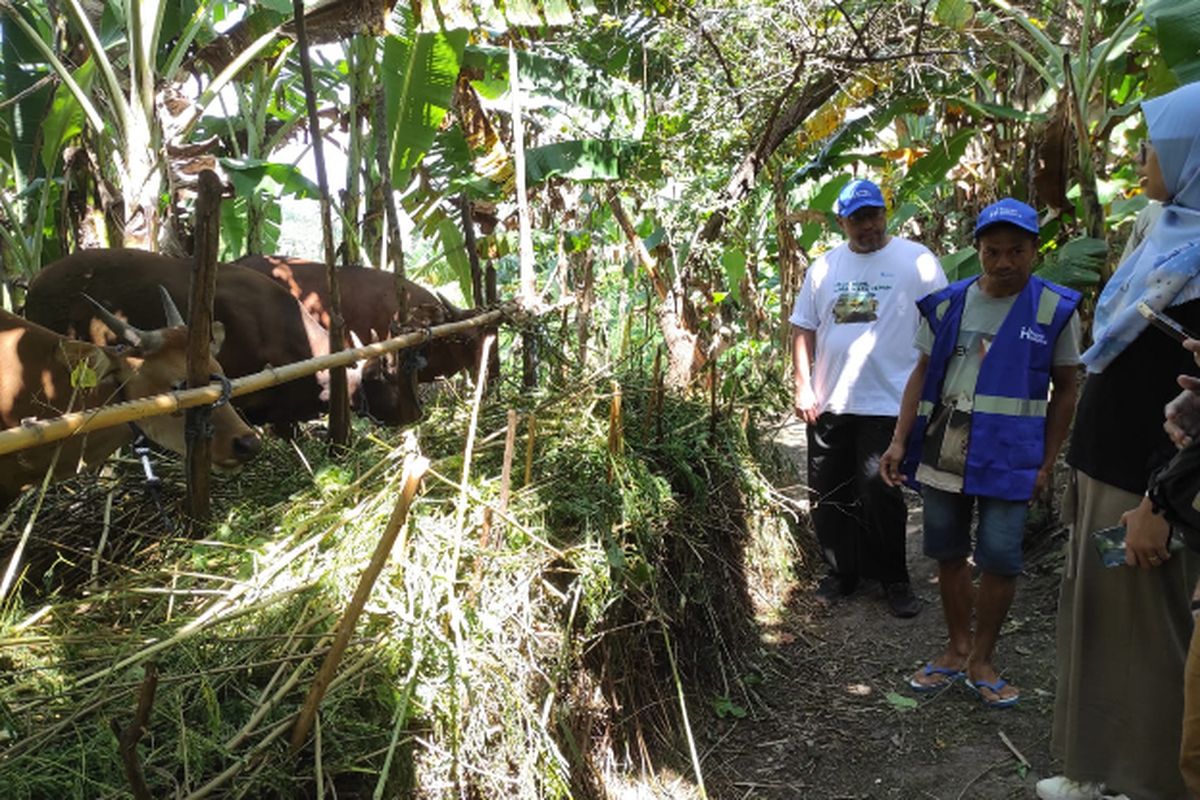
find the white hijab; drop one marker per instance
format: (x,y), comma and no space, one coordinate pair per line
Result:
(1163,270)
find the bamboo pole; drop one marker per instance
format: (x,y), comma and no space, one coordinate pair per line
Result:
(339,393)
(531,437)
(39,432)
(414,469)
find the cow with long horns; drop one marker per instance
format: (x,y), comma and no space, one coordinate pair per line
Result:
(264,325)
(44,375)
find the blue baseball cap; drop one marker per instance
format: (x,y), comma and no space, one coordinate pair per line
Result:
(858,194)
(1008,211)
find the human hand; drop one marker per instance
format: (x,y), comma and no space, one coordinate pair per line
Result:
(889,464)
(1043,483)
(1146,535)
(1193,346)
(1183,413)
(805,403)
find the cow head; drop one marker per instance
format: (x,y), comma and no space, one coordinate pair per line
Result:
(151,362)
(388,393)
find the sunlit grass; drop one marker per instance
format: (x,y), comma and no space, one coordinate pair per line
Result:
(528,663)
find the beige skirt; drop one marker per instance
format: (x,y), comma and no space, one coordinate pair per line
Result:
(1123,637)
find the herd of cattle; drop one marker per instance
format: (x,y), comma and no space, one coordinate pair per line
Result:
(106,308)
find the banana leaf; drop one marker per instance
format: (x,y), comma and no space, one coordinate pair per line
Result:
(1177,25)
(550,76)
(961,264)
(419,71)
(590,160)
(250,176)
(1076,264)
(65,120)
(932,167)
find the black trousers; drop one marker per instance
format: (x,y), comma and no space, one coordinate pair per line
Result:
(859,520)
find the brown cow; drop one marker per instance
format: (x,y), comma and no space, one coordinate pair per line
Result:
(369,308)
(36,366)
(264,325)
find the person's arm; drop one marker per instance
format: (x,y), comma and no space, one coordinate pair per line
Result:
(1146,535)
(889,462)
(804,348)
(1058,421)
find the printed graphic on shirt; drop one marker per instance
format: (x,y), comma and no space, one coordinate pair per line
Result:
(947,435)
(857,301)
(949,428)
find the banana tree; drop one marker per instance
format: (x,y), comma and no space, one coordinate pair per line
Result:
(1079,76)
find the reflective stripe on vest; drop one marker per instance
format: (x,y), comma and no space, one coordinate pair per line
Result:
(1010,406)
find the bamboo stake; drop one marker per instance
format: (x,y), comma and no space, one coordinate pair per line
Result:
(510,441)
(530,437)
(525,228)
(455,615)
(414,468)
(41,432)
(339,394)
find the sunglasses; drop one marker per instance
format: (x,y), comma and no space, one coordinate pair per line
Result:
(1143,152)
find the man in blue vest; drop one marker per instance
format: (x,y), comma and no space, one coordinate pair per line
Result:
(975,430)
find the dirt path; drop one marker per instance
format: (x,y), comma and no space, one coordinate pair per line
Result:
(836,718)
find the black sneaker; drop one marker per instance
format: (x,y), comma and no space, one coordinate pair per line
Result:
(901,600)
(832,588)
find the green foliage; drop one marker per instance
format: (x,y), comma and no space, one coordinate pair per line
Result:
(1076,264)
(418,73)
(588,160)
(1177,26)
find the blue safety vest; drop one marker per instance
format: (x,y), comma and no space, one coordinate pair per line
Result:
(1008,419)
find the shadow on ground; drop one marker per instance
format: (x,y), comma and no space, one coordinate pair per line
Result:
(836,719)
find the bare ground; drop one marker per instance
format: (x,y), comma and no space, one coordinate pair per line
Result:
(834,718)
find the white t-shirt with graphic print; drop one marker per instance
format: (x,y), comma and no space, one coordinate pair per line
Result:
(863,308)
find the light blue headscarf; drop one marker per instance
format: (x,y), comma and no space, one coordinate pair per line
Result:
(1163,270)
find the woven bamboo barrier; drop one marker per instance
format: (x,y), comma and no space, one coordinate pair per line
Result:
(44,431)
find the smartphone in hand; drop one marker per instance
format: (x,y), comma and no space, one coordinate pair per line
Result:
(1110,544)
(1164,323)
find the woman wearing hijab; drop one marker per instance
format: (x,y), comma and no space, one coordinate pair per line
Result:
(1123,632)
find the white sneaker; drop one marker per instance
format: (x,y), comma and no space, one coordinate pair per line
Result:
(1060,787)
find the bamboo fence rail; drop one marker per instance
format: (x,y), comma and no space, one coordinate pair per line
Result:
(44,431)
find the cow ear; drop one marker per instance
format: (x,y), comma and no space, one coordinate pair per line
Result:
(218,337)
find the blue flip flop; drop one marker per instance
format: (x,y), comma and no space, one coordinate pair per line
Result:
(994,687)
(930,669)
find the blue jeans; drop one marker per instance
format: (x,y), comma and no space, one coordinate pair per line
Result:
(998,538)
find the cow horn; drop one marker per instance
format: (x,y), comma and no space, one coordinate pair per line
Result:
(174,318)
(123,330)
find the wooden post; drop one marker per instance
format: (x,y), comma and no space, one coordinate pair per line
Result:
(510,445)
(712,399)
(491,291)
(531,436)
(414,468)
(468,226)
(339,394)
(616,438)
(198,426)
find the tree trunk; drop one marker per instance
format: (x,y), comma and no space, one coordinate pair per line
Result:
(585,289)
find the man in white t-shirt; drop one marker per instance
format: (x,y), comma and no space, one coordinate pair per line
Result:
(852,352)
